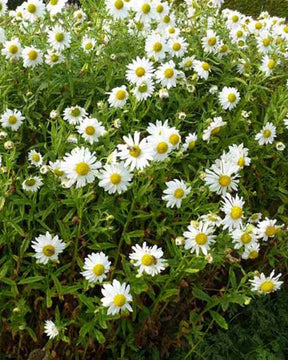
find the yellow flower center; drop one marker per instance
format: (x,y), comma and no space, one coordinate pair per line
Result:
(235,18)
(168,73)
(157,47)
(216,130)
(271,64)
(13,49)
(253,254)
(88,46)
(223,48)
(119,4)
(224,180)
(82,169)
(12,119)
(31,8)
(270,231)
(121,95)
(266,42)
(36,157)
(143,88)
(236,212)
(258,26)
(79,15)
(32,55)
(146,8)
(241,43)
(159,8)
(246,238)
(148,260)
(188,63)
(201,238)
(205,66)
(75,112)
(266,133)
(174,139)
(135,152)
(231,98)
(90,130)
(191,145)
(178,193)
(267,286)
(166,19)
(171,30)
(176,46)
(212,41)
(140,71)
(241,162)
(48,250)
(162,147)
(115,179)
(58,172)
(285,29)
(98,269)
(54,58)
(239,33)
(30,182)
(53,2)
(59,37)
(119,300)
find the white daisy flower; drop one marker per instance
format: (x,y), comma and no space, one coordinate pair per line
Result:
(145,11)
(53,58)
(79,15)
(31,56)
(213,128)
(190,142)
(266,135)
(234,19)
(35,158)
(233,209)
(33,10)
(91,129)
(156,46)
(32,184)
(229,98)
(56,168)
(96,267)
(244,236)
(74,115)
(268,65)
(238,155)
(174,137)
(158,128)
(161,146)
(202,69)
(222,177)
(187,63)
(118,97)
(211,219)
(139,70)
(167,21)
(47,247)
(148,259)
(176,191)
(267,229)
(3,7)
(210,42)
(119,9)
(255,218)
(265,42)
(251,251)
(12,119)
(116,297)
(88,44)
(55,6)
(80,167)
(50,329)
(58,39)
(115,178)
(134,152)
(199,237)
(12,49)
(177,46)
(144,90)
(166,74)
(266,285)
(162,8)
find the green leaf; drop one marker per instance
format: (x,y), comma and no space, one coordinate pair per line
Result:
(219,319)
(30,280)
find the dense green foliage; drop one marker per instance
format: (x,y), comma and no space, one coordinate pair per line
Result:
(254,7)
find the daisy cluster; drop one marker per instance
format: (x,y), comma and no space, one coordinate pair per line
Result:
(180,51)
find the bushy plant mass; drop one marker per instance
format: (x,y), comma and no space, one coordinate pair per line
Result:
(143,174)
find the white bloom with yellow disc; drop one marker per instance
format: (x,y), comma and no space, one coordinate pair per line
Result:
(116,297)
(199,237)
(115,178)
(96,267)
(266,285)
(47,247)
(176,191)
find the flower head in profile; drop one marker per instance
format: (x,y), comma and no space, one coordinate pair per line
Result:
(50,329)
